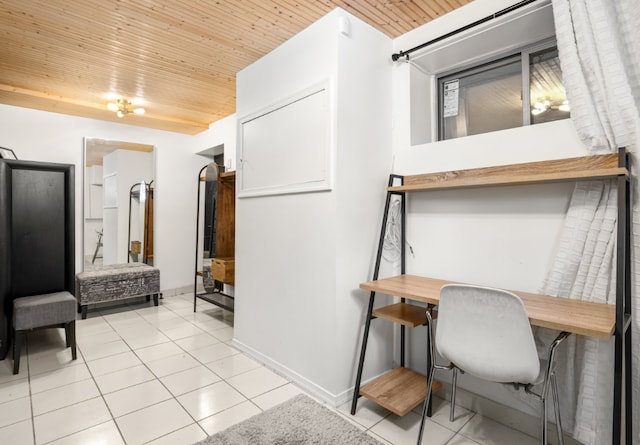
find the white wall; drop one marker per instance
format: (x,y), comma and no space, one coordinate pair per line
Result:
(363,166)
(503,237)
(51,137)
(93,210)
(222,132)
(127,167)
(300,257)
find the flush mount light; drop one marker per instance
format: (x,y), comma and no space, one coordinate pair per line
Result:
(542,105)
(565,106)
(122,107)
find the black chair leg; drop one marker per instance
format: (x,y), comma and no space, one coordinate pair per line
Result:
(17,347)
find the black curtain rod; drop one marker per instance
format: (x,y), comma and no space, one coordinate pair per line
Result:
(502,12)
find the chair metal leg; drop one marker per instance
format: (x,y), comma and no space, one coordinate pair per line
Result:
(550,378)
(544,431)
(454,384)
(427,402)
(556,408)
(543,424)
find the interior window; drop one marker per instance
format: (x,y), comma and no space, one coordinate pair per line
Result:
(548,98)
(482,99)
(490,97)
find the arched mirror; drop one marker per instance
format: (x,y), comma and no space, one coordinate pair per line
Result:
(211,173)
(118,202)
(215,235)
(140,242)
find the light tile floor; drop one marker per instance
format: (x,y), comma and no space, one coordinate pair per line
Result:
(167,375)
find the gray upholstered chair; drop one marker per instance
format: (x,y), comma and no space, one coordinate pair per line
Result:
(486,333)
(57,309)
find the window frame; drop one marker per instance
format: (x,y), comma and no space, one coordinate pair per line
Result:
(523,53)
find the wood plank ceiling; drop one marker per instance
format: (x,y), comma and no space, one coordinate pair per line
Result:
(179,56)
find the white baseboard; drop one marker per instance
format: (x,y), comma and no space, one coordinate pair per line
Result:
(179,291)
(310,387)
(189,290)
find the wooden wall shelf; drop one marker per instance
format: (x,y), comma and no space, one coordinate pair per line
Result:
(399,390)
(405,314)
(558,170)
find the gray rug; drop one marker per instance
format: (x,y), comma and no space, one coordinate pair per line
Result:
(299,421)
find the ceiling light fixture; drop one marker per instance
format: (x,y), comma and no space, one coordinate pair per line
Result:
(542,105)
(122,107)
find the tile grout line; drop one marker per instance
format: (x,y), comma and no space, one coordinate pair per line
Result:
(167,389)
(178,312)
(101,396)
(155,378)
(115,329)
(196,422)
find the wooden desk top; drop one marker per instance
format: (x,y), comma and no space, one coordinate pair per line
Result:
(562,314)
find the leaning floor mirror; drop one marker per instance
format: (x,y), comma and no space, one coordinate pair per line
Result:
(118,202)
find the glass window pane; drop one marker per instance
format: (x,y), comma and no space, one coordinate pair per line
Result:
(483,99)
(548,98)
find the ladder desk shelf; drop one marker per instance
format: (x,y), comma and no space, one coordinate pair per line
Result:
(575,316)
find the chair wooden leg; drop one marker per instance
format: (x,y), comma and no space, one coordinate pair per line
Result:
(17,347)
(70,331)
(66,334)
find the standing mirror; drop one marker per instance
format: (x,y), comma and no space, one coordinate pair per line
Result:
(215,232)
(118,202)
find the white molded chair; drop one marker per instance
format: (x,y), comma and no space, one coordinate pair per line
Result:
(486,332)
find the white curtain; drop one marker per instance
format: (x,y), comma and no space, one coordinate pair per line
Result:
(584,266)
(599,46)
